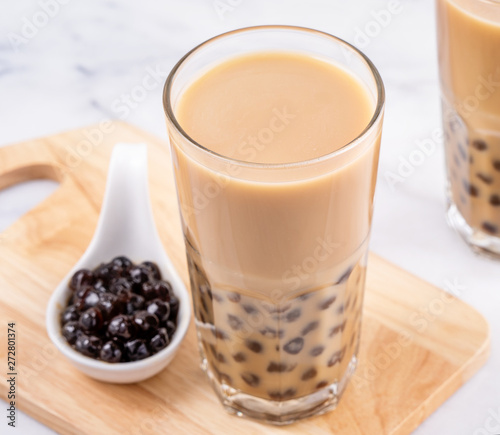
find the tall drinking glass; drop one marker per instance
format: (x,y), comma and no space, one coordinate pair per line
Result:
(469,61)
(275,135)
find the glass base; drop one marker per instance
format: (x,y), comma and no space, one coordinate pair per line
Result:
(283,412)
(480,242)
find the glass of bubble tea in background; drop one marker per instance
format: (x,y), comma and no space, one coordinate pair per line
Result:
(469,61)
(275,135)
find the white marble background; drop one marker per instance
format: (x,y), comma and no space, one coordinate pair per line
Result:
(72,68)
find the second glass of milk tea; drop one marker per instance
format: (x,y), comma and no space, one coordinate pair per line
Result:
(275,135)
(469,61)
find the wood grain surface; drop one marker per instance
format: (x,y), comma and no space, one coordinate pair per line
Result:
(418,345)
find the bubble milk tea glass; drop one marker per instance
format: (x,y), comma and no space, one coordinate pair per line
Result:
(469,61)
(275,135)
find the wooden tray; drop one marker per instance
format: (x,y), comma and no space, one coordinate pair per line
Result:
(418,345)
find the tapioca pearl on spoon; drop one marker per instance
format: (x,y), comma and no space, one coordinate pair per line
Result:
(81,278)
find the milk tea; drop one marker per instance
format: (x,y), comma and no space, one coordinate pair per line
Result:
(469,58)
(277,266)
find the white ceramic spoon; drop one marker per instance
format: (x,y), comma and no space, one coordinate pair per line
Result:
(125,227)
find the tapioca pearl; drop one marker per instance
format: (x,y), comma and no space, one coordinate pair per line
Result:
(280,367)
(278,395)
(461,151)
(345,276)
(471,160)
(487,179)
(489,228)
(292,315)
(317,350)
(473,190)
(221,358)
(269,332)
(219,333)
(225,379)
(324,305)
(277,308)
(321,384)
(294,346)
(335,358)
(239,357)
(309,374)
(251,379)
(304,297)
(340,309)
(470,188)
(456,160)
(234,322)
(462,199)
(479,144)
(234,297)
(217,297)
(495,200)
(454,125)
(250,309)
(309,327)
(496,165)
(336,329)
(254,346)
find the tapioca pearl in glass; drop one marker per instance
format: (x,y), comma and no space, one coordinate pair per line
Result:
(463,154)
(489,228)
(485,178)
(309,327)
(479,145)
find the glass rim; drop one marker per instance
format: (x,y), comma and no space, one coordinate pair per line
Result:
(379,106)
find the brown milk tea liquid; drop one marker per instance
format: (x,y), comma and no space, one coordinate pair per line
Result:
(469,54)
(277,268)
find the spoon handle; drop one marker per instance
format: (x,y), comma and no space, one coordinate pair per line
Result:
(126,218)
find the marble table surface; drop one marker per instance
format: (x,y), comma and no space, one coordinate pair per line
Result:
(66,64)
